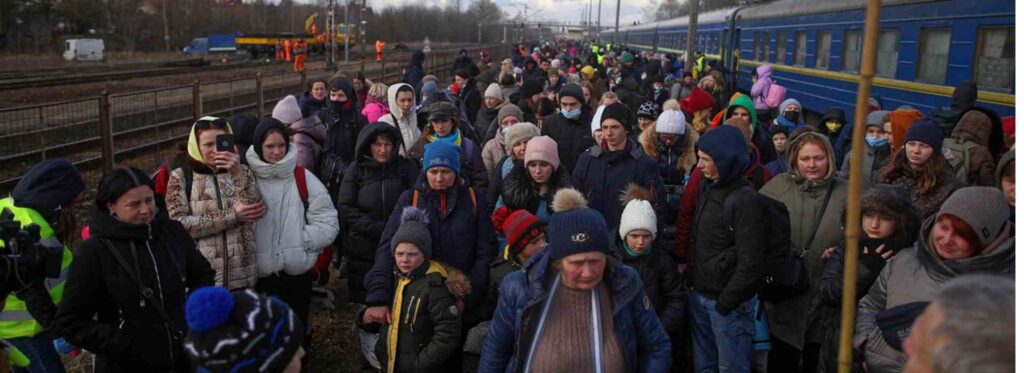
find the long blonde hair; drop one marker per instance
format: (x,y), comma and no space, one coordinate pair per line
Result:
(378,91)
(701,120)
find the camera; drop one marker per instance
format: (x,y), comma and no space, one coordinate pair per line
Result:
(24,256)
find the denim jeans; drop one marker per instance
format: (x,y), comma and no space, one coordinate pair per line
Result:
(721,343)
(43,358)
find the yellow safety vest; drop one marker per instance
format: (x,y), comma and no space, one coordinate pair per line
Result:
(15,321)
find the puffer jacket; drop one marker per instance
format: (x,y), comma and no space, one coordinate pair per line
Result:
(289,237)
(374,109)
(795,319)
(462,237)
(103,309)
(916,274)
(308,136)
(428,323)
(494,152)
(573,136)
(645,345)
(759,91)
(228,243)
(663,284)
(405,122)
(366,199)
(979,126)
(602,176)
(520,192)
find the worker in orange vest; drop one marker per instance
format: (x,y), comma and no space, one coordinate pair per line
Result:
(288,50)
(380,50)
(279,51)
(300,55)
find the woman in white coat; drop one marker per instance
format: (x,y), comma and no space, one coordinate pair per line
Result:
(291,235)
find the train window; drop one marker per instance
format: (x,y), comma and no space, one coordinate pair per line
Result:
(888,52)
(993,66)
(800,54)
(757,46)
(824,50)
(780,49)
(852,44)
(933,54)
(766,45)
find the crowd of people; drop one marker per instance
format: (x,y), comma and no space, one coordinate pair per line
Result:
(574,207)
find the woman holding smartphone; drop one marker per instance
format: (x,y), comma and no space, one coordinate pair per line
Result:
(217,200)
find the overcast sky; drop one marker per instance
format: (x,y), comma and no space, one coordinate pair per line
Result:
(552,10)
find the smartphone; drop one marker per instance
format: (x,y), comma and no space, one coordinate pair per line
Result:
(226,142)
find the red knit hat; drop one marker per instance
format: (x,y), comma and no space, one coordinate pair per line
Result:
(520,228)
(698,100)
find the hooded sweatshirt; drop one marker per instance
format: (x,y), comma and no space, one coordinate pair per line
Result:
(413,73)
(978,126)
(404,121)
(48,187)
(840,140)
(290,236)
(343,122)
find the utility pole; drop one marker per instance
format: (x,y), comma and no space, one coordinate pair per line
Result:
(599,2)
(691,31)
(479,33)
(362,38)
(329,22)
(618,8)
(348,29)
(167,35)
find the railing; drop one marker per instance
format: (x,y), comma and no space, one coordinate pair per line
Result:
(99,132)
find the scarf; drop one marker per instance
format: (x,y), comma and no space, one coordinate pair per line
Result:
(454,138)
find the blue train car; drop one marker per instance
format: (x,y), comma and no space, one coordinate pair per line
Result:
(925,48)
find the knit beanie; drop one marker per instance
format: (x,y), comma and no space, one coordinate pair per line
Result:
(619,112)
(520,228)
(648,109)
(926,131)
(531,87)
(595,122)
(494,91)
(510,110)
(575,228)
(638,213)
(875,118)
(698,100)
(791,101)
(520,132)
(414,229)
(542,148)
(983,208)
(671,122)
(287,110)
(240,331)
(441,154)
(572,90)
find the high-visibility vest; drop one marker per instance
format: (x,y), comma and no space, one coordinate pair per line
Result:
(15,321)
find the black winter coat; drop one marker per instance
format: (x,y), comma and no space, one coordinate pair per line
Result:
(520,192)
(366,199)
(342,129)
(602,176)
(726,259)
(485,120)
(103,309)
(663,284)
(573,136)
(471,99)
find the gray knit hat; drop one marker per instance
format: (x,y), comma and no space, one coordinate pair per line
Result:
(983,208)
(414,229)
(510,110)
(875,118)
(519,132)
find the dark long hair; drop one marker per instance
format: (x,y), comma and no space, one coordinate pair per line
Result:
(927,177)
(117,182)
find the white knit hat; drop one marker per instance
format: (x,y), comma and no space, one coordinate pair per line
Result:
(595,124)
(638,214)
(494,90)
(671,122)
(287,110)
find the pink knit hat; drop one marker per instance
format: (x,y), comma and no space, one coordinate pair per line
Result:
(542,148)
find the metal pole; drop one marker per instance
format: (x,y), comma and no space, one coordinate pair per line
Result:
(167,34)
(691,31)
(599,2)
(853,219)
(259,95)
(479,33)
(106,132)
(362,37)
(330,34)
(618,7)
(348,30)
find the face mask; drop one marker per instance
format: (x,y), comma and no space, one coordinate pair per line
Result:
(833,126)
(875,141)
(504,131)
(791,116)
(573,114)
(337,105)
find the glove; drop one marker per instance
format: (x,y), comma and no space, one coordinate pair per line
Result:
(873,261)
(498,217)
(63,347)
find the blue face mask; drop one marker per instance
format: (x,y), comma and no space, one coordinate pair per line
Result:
(875,141)
(572,114)
(504,131)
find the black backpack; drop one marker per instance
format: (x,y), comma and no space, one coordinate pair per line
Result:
(785,272)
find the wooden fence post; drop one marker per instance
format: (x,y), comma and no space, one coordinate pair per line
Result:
(106,132)
(303,74)
(197,100)
(259,95)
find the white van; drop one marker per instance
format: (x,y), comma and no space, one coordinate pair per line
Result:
(83,50)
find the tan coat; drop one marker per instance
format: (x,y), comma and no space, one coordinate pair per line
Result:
(214,225)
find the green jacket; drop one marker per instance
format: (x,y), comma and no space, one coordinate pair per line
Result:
(426,324)
(792,319)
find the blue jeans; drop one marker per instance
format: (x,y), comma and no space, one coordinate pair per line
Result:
(721,343)
(43,358)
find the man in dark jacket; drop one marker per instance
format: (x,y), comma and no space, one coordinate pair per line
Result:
(571,127)
(413,72)
(726,262)
(464,62)
(460,227)
(372,185)
(604,170)
(343,120)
